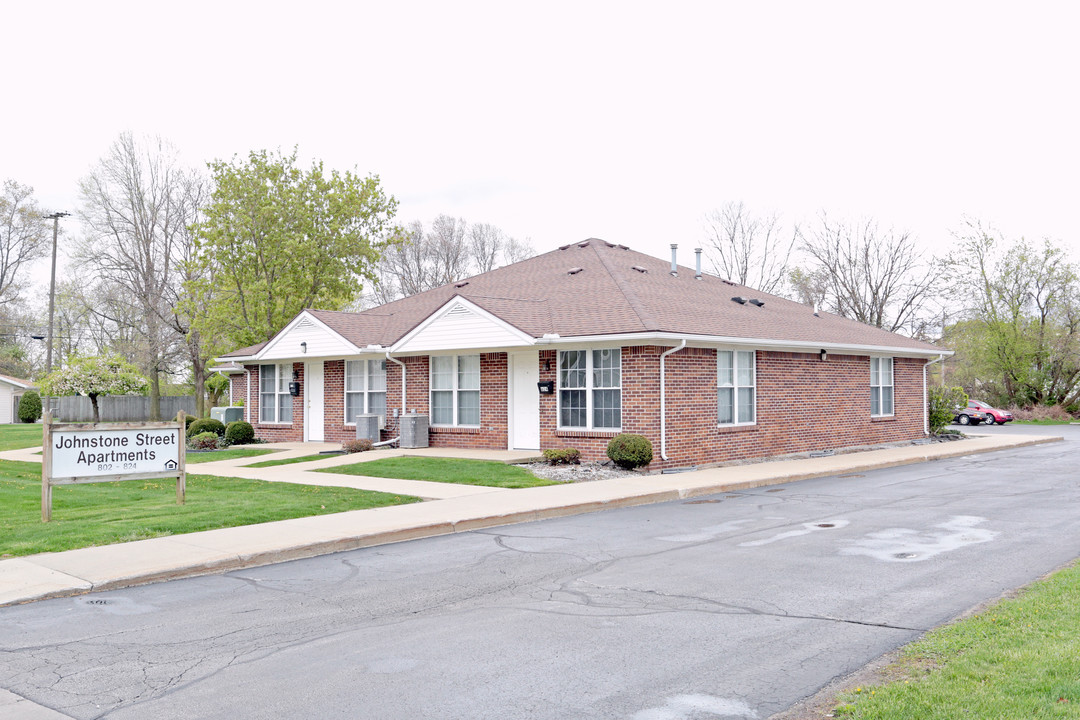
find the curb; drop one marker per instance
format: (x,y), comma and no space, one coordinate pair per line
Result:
(635,496)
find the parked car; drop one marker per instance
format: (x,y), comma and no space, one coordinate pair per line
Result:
(969,415)
(993,415)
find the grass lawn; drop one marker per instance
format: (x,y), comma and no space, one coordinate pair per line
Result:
(106,513)
(227,454)
(1019,659)
(1046,421)
(289,461)
(449,470)
(24,435)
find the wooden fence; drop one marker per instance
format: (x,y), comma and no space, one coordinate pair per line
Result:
(118,408)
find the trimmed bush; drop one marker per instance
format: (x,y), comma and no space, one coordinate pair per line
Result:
(239,432)
(30,407)
(357,445)
(204,441)
(630,451)
(203,425)
(566,456)
(188,419)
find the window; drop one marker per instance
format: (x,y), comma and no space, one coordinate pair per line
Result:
(455,390)
(881,386)
(590,389)
(736,387)
(365,388)
(275,402)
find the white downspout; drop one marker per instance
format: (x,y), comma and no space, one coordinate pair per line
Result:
(925,404)
(398,362)
(247,400)
(663,400)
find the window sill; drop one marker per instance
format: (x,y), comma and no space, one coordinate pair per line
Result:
(882,418)
(727,429)
(274,424)
(585,433)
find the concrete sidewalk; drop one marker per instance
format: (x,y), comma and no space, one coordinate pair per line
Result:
(455,508)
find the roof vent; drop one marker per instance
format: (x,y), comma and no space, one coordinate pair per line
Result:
(574,271)
(461,284)
(727,282)
(739,299)
(584,244)
(755,301)
(563,247)
(639,269)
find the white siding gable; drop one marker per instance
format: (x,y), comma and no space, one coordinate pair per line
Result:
(321,341)
(461,325)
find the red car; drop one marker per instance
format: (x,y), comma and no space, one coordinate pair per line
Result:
(993,415)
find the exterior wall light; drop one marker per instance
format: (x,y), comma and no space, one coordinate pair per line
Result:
(824,355)
(303,347)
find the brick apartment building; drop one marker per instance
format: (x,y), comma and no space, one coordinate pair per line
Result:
(570,348)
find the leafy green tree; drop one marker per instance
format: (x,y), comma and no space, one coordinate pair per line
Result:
(276,239)
(94,376)
(1024,305)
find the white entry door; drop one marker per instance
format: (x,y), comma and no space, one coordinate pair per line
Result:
(524,412)
(313,401)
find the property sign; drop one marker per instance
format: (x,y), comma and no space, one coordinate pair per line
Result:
(105,452)
(114,452)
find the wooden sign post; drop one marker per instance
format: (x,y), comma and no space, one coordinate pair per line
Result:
(76,453)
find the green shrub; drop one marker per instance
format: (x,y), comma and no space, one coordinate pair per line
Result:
(188,419)
(565,456)
(203,425)
(30,407)
(941,406)
(630,451)
(204,441)
(357,445)
(239,432)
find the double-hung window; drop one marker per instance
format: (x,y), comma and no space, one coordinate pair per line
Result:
(590,389)
(881,386)
(455,390)
(736,387)
(275,402)
(365,388)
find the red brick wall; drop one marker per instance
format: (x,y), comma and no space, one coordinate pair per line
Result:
(289,432)
(803,404)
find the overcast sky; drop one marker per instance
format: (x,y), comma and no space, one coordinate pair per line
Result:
(561,121)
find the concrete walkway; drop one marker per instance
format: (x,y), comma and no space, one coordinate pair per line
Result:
(453,508)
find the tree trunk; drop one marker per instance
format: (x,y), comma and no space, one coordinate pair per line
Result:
(155,395)
(93,404)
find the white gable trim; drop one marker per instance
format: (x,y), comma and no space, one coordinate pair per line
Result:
(322,341)
(461,325)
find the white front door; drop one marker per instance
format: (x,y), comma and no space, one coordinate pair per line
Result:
(524,412)
(313,401)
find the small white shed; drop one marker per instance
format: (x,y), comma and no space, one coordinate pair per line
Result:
(11,392)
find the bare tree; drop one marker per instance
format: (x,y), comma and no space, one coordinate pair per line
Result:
(750,250)
(137,206)
(878,278)
(418,259)
(24,236)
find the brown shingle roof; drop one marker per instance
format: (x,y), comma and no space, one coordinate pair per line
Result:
(609,296)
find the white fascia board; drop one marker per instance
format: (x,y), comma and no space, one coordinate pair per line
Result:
(285,331)
(664,338)
(458,301)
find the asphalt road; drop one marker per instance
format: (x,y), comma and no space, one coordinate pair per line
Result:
(732,606)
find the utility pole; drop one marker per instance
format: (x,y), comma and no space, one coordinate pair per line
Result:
(55,217)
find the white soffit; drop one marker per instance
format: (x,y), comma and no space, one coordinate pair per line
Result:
(460,324)
(321,341)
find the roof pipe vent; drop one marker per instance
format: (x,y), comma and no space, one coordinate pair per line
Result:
(697,252)
(755,301)
(674,266)
(739,299)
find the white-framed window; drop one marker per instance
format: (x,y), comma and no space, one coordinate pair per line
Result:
(275,402)
(590,389)
(881,386)
(365,388)
(736,387)
(455,390)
